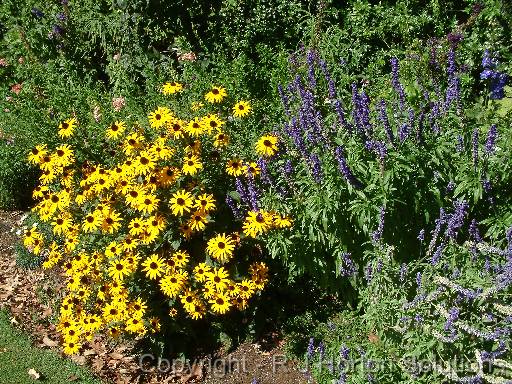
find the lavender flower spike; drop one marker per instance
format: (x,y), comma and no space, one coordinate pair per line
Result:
(345,170)
(491,140)
(395,81)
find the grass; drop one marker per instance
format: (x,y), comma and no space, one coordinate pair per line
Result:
(17,356)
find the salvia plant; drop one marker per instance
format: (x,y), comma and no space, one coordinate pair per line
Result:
(443,318)
(351,160)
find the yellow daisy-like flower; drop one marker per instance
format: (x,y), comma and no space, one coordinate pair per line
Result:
(205,202)
(219,278)
(71,347)
(256,223)
(246,289)
(181,202)
(196,106)
(198,221)
(191,165)
(221,140)
(180,258)
(200,272)
(212,123)
(115,130)
(37,153)
(220,303)
(172,88)
(173,312)
(176,128)
(171,285)
(159,117)
(216,95)
(168,175)
(241,109)
(221,248)
(118,269)
(267,145)
(235,167)
(67,127)
(252,169)
(154,267)
(195,127)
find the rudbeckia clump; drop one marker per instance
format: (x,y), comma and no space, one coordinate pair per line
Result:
(148,226)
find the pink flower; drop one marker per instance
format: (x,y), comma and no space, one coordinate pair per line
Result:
(118,103)
(189,56)
(16,88)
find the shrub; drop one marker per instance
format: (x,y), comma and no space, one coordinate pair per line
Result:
(141,221)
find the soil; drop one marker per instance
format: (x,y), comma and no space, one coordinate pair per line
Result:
(29,295)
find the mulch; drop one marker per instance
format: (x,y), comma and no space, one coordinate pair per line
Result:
(29,296)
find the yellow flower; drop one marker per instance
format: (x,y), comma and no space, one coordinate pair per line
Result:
(36,154)
(171,88)
(67,127)
(200,272)
(180,258)
(92,222)
(267,145)
(160,117)
(221,140)
(216,95)
(220,303)
(181,202)
(205,202)
(154,267)
(168,175)
(252,169)
(256,223)
(118,269)
(115,130)
(195,127)
(71,347)
(191,165)
(171,285)
(241,109)
(212,123)
(196,106)
(218,278)
(176,128)
(235,167)
(198,221)
(221,248)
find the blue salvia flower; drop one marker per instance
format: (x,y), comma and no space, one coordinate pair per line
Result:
(288,168)
(490,143)
(368,272)
(344,352)
(345,169)
(61,16)
(419,131)
(450,186)
(316,168)
(37,13)
(341,115)
(253,194)
(378,147)
(474,142)
(383,117)
(356,107)
(488,62)
(418,279)
(460,144)
(403,272)
(265,176)
(364,112)
(284,99)
(438,253)
(453,90)
(434,115)
(232,205)
(242,191)
(474,232)
(311,58)
(311,348)
(498,86)
(435,233)
(347,267)
(328,78)
(377,235)
(403,132)
(321,350)
(395,81)
(254,381)
(456,219)
(421,235)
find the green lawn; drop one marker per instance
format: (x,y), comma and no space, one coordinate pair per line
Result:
(17,356)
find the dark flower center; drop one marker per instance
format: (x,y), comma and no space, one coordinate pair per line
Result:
(221,245)
(180,201)
(153,265)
